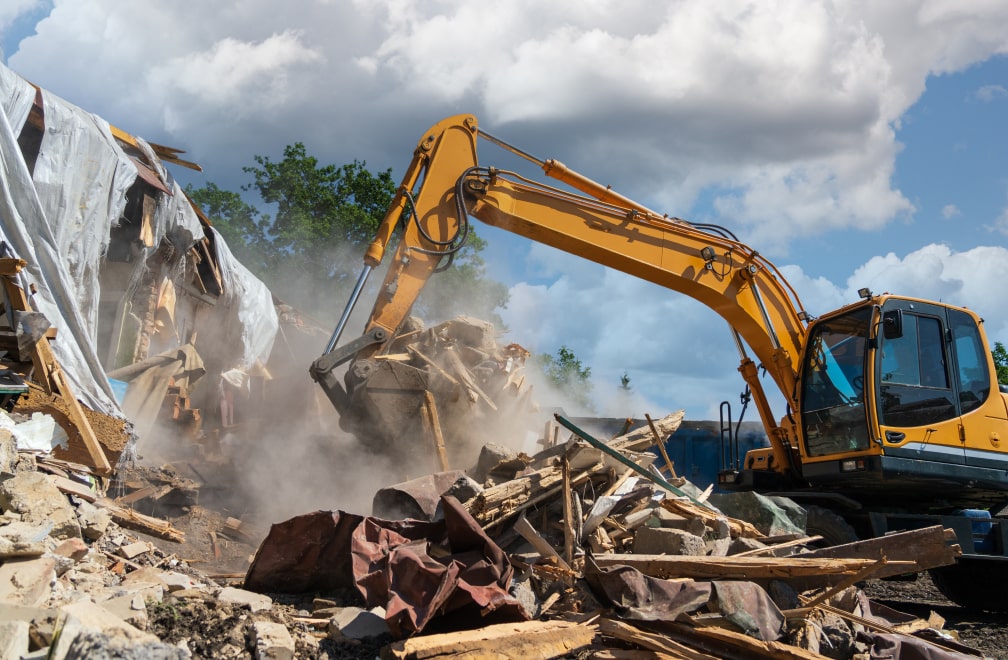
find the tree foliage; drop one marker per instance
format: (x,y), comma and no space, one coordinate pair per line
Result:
(310,251)
(568,375)
(1001,362)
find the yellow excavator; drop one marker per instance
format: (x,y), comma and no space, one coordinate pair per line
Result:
(894,417)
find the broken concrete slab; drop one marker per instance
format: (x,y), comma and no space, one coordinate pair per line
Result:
(38,500)
(272,641)
(93,520)
(131,608)
(27,581)
(357,623)
(241,598)
(667,541)
(13,638)
(771,516)
(8,451)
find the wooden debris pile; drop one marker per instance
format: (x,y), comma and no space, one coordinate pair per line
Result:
(438,392)
(611,557)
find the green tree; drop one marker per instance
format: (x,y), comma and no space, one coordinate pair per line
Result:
(310,251)
(1001,362)
(322,212)
(239,223)
(569,375)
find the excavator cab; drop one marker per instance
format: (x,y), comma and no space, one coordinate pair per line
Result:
(898,398)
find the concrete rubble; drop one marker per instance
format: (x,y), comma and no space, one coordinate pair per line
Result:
(654,560)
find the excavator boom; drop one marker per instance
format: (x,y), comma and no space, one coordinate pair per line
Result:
(445,185)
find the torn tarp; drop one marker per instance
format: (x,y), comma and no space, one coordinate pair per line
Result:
(418,571)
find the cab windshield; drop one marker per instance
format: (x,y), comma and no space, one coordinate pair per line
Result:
(832,396)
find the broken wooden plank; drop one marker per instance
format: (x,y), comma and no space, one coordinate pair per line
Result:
(437,437)
(651,641)
(529,639)
(133,520)
(926,548)
(805,540)
(737,644)
(71,487)
(49,374)
(568,522)
(661,446)
(821,570)
(545,550)
(691,510)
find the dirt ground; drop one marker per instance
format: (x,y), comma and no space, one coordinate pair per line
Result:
(981,630)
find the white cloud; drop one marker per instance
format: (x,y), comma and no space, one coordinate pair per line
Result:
(783,113)
(950,211)
(679,354)
(988,93)
(11,10)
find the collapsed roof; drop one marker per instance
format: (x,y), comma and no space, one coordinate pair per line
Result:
(77,194)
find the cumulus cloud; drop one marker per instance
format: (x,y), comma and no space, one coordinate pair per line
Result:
(779,120)
(950,211)
(679,354)
(781,114)
(11,10)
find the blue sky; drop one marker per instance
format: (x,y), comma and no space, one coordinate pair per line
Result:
(854,143)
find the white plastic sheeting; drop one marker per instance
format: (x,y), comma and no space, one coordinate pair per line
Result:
(81,177)
(23,226)
(254,302)
(59,223)
(17,99)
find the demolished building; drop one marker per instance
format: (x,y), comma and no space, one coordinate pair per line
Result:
(106,246)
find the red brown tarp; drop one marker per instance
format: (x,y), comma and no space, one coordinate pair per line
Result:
(418,571)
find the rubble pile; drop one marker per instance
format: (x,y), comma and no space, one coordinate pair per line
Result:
(582,550)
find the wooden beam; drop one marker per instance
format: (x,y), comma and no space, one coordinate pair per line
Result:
(529,639)
(823,570)
(926,548)
(50,375)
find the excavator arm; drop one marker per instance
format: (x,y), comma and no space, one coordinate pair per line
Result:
(445,185)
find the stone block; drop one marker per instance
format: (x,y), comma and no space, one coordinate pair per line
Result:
(13,639)
(27,581)
(742,544)
(667,541)
(241,598)
(38,500)
(272,641)
(355,623)
(93,520)
(85,617)
(74,548)
(669,520)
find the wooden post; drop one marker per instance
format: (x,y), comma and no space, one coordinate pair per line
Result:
(50,376)
(661,446)
(435,424)
(567,515)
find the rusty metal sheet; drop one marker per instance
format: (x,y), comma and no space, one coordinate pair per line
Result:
(418,571)
(417,498)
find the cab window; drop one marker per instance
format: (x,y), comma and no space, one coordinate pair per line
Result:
(914,382)
(974,377)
